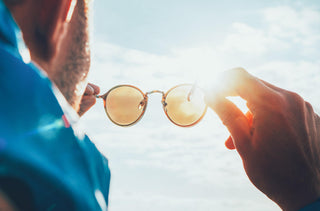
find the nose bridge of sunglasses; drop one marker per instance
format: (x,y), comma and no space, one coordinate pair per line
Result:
(160,92)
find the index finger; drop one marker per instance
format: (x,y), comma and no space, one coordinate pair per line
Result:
(238,82)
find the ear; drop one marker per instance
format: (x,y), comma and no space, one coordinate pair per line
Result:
(51,25)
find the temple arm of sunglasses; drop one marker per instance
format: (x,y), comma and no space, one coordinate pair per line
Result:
(191,91)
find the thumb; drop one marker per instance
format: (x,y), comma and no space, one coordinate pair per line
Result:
(229,142)
(233,118)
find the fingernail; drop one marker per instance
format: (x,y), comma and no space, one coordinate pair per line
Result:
(90,90)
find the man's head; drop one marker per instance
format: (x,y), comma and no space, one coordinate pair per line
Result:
(43,24)
(56,33)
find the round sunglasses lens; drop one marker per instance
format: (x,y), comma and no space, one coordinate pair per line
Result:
(185,105)
(124,105)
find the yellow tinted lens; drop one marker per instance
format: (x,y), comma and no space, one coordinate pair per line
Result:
(125,105)
(185,105)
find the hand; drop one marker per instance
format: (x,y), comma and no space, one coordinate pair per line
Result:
(278,139)
(88,98)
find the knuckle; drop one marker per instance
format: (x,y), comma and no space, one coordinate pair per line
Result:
(295,97)
(296,105)
(288,97)
(236,73)
(294,100)
(278,98)
(274,99)
(309,107)
(241,73)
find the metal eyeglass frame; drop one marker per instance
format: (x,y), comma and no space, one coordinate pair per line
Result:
(144,103)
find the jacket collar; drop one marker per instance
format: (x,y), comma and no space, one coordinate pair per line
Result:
(10,34)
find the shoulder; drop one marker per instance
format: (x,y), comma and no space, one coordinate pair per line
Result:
(27,100)
(20,80)
(39,147)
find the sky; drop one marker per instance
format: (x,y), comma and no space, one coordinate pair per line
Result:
(152,44)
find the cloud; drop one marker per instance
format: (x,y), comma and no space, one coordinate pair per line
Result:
(249,40)
(281,29)
(299,25)
(157,161)
(284,34)
(159,202)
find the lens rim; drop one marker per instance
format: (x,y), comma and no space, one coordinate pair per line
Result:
(164,103)
(105,96)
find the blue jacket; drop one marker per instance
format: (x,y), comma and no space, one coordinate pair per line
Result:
(45,162)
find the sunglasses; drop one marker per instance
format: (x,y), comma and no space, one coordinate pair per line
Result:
(183,104)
